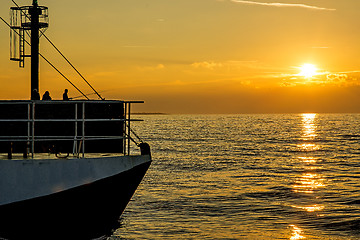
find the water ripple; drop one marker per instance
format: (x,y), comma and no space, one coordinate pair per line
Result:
(280,176)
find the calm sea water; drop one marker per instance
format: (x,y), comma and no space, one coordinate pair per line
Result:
(248,177)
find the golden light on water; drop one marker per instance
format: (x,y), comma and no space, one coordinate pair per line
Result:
(308,183)
(309,132)
(312,208)
(307,147)
(309,116)
(296,233)
(311,181)
(308,159)
(309,127)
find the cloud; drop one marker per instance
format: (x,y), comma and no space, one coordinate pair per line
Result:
(320,47)
(151,68)
(350,78)
(207,65)
(226,65)
(339,79)
(274,4)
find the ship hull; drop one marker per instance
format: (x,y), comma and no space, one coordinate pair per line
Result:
(86,211)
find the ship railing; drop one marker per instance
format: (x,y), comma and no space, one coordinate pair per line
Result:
(79,140)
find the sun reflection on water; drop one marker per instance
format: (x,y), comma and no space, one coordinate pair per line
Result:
(309,133)
(308,183)
(296,233)
(309,126)
(311,181)
(312,208)
(308,159)
(307,147)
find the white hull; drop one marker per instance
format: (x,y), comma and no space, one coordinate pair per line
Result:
(26,179)
(67,199)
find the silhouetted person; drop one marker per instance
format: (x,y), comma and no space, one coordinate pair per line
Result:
(46,96)
(35,95)
(65,95)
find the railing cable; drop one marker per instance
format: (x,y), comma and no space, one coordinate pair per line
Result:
(72,65)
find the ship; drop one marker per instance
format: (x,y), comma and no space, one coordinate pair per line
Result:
(68,168)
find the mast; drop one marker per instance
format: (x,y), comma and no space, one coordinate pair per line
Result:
(30,20)
(34,12)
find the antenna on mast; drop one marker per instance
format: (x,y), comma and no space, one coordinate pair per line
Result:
(29,20)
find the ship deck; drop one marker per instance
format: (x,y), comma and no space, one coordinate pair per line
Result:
(31,127)
(47,156)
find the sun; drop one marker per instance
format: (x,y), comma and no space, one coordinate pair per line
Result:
(308,70)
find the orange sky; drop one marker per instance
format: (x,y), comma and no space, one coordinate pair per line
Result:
(203,56)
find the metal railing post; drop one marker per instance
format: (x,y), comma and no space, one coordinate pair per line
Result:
(75,147)
(83,130)
(33,130)
(124,128)
(129,130)
(28,130)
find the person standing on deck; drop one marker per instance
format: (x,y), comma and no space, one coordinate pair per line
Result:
(35,95)
(46,96)
(65,95)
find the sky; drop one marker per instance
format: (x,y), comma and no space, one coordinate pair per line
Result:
(199,56)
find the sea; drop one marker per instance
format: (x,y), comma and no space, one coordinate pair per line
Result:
(257,176)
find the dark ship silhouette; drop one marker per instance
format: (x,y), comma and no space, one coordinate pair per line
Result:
(65,166)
